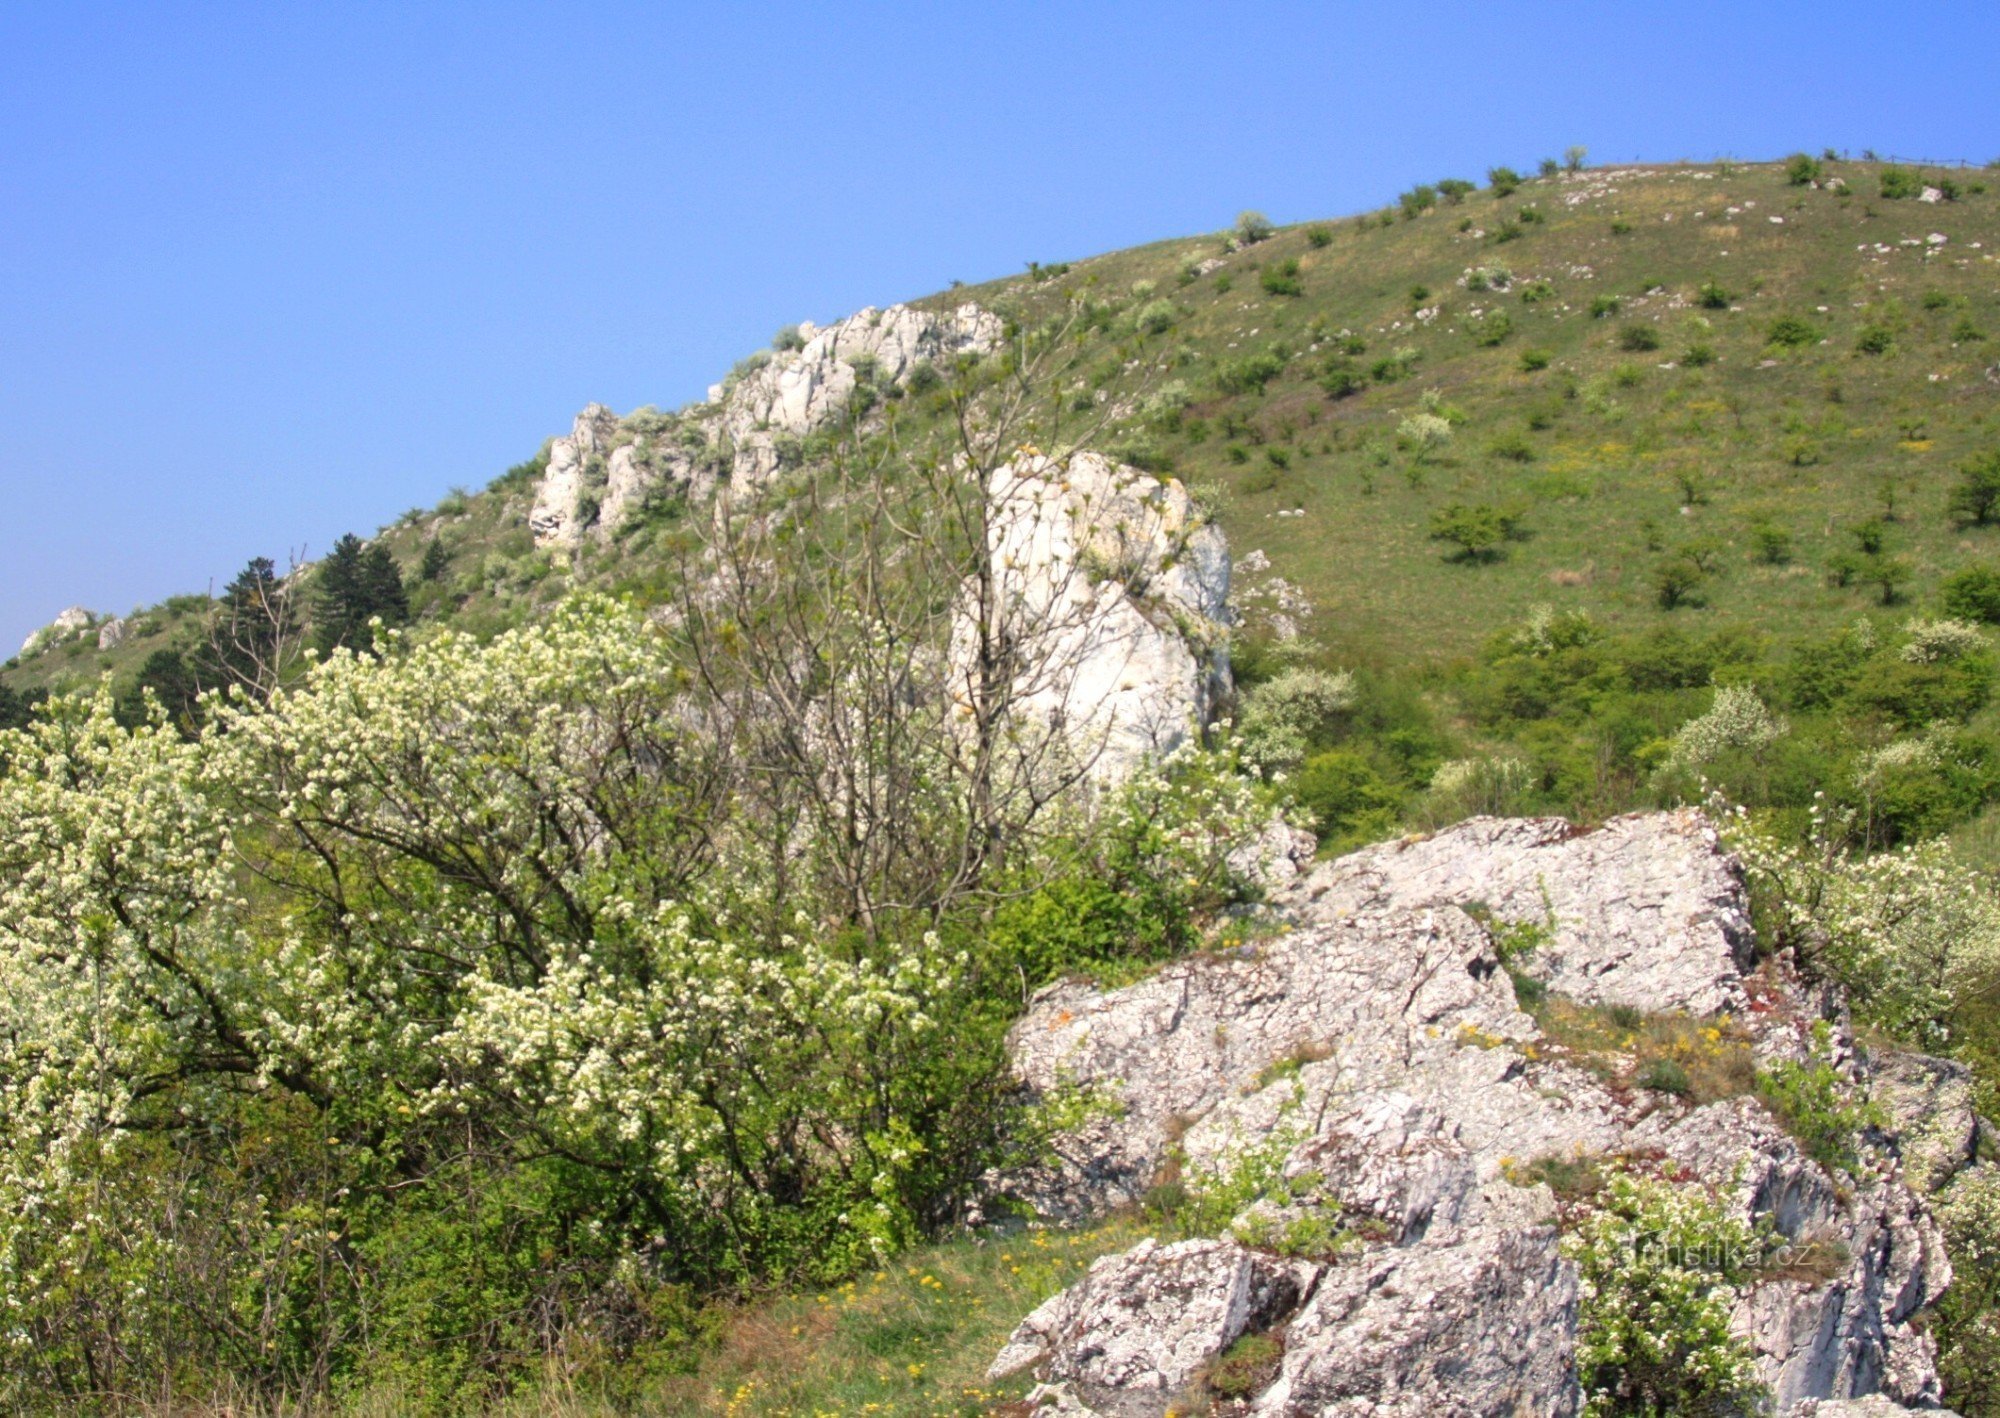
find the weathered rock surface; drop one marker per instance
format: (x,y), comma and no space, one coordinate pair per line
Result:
(1635,916)
(68,623)
(1373,1051)
(1113,589)
(606,467)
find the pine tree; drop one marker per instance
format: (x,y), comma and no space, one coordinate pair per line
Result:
(254,635)
(172,680)
(436,559)
(356,583)
(384,585)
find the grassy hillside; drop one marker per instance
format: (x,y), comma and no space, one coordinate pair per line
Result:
(1615,386)
(1622,393)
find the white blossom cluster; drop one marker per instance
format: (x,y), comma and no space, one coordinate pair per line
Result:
(1909,931)
(1738,719)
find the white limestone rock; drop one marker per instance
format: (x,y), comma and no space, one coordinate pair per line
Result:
(1139,1328)
(67,624)
(111,634)
(1114,589)
(1646,911)
(1374,1048)
(606,467)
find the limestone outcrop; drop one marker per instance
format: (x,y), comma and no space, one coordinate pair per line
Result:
(1111,590)
(66,626)
(606,468)
(1372,1050)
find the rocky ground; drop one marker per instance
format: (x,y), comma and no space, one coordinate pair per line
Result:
(1370,1049)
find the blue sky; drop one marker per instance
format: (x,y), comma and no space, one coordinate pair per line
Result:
(273,272)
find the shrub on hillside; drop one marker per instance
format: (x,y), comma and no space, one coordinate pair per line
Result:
(1282,278)
(1792,332)
(1638,337)
(1899,183)
(1975,499)
(1972,593)
(1503,180)
(1802,169)
(1253,227)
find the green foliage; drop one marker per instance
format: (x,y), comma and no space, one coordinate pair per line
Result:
(1875,339)
(1802,169)
(1660,1266)
(1792,332)
(1282,278)
(1253,227)
(1638,337)
(1975,499)
(1477,531)
(355,585)
(1817,1106)
(1712,296)
(1972,593)
(1503,180)
(1492,328)
(1250,373)
(1899,183)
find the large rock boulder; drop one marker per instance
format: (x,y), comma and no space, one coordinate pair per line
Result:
(1110,590)
(1371,1050)
(606,468)
(66,626)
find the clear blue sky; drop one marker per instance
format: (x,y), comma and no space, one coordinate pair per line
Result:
(273,272)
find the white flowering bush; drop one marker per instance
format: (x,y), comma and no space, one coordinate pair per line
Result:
(1911,932)
(1930,641)
(1659,1267)
(544,961)
(1969,1319)
(1737,721)
(1280,718)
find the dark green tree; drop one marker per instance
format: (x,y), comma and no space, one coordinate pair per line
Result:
(1976,499)
(255,634)
(436,559)
(356,583)
(168,675)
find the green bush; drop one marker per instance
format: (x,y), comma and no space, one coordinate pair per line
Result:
(1249,374)
(1975,499)
(1533,361)
(1792,332)
(1350,800)
(1282,278)
(1972,593)
(1712,296)
(1638,337)
(1875,339)
(1603,305)
(1477,532)
(1899,183)
(1253,227)
(1503,180)
(1802,169)
(1491,329)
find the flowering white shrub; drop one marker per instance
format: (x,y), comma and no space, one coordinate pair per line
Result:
(1933,640)
(1738,719)
(1909,931)
(1280,716)
(1658,1269)
(1423,433)
(547,956)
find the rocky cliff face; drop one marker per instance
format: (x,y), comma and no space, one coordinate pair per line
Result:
(1372,1050)
(1113,591)
(606,467)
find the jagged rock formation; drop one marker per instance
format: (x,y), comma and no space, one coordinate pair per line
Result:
(67,624)
(606,467)
(1113,590)
(1373,1049)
